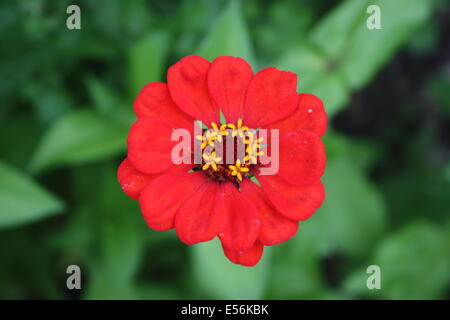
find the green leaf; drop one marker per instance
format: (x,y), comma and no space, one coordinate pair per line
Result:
(79,137)
(285,25)
(332,90)
(344,54)
(368,50)
(22,200)
(49,102)
(78,235)
(147,60)
(307,62)
(222,279)
(228,36)
(104,99)
(121,231)
(317,62)
(358,52)
(362,151)
(108,103)
(414,264)
(332,33)
(297,266)
(353,215)
(120,238)
(316,76)
(122,246)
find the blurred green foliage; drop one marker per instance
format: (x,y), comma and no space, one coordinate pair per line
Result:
(67,106)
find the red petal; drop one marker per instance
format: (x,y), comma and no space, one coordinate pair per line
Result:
(154,100)
(197,220)
(131,180)
(294,202)
(150,146)
(302,158)
(187,81)
(246,258)
(228,79)
(309,115)
(271,96)
(163,196)
(242,226)
(274,228)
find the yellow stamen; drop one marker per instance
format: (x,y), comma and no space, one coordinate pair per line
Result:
(249,138)
(207,139)
(211,161)
(223,130)
(236,170)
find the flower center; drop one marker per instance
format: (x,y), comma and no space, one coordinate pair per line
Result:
(229,152)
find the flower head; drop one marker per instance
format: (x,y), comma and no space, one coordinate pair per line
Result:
(227,194)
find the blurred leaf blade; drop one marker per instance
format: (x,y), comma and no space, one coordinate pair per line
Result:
(221,279)
(119,233)
(121,230)
(22,200)
(353,214)
(108,103)
(332,32)
(146,60)
(368,50)
(297,266)
(315,76)
(228,36)
(413,264)
(103,98)
(87,137)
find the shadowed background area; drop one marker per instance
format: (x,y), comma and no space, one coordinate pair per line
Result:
(66,109)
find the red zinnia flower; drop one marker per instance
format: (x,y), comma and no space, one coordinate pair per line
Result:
(202,201)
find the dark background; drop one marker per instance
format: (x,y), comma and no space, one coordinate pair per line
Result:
(66,106)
